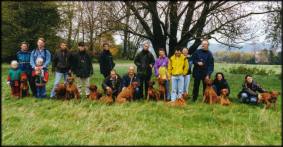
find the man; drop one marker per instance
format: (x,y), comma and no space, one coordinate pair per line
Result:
(114,82)
(177,68)
(144,62)
(203,67)
(82,67)
(60,65)
(129,78)
(106,62)
(23,57)
(40,52)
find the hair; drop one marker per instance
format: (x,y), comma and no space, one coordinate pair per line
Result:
(178,49)
(105,44)
(81,44)
(39,59)
(161,49)
(205,40)
(14,62)
(146,42)
(113,70)
(223,78)
(24,42)
(42,39)
(248,76)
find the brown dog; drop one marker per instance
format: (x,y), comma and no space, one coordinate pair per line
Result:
(127,93)
(94,94)
(179,102)
(162,88)
(24,86)
(269,97)
(60,91)
(224,100)
(151,92)
(107,99)
(71,89)
(210,95)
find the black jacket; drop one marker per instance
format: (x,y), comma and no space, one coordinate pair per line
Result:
(126,81)
(61,61)
(81,64)
(115,85)
(218,85)
(251,89)
(106,62)
(142,61)
(199,72)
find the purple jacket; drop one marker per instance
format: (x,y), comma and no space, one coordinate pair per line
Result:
(158,63)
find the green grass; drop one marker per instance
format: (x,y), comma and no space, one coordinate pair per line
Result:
(30,121)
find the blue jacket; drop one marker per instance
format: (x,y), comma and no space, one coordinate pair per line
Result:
(24,61)
(126,81)
(45,54)
(199,72)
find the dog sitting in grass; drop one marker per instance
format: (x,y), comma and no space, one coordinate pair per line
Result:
(210,95)
(107,99)
(269,98)
(60,91)
(162,88)
(179,102)
(152,93)
(24,85)
(94,94)
(71,89)
(127,93)
(224,100)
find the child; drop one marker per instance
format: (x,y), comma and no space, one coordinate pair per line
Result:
(14,78)
(41,78)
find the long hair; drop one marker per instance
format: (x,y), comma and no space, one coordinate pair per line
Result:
(223,78)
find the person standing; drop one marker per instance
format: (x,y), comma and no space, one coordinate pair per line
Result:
(187,77)
(144,62)
(14,78)
(60,65)
(177,68)
(82,67)
(40,52)
(106,62)
(203,67)
(23,58)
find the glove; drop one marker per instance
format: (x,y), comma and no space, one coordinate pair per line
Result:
(8,82)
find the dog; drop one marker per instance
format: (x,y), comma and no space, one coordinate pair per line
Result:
(127,93)
(210,95)
(71,89)
(186,96)
(94,94)
(24,86)
(268,98)
(60,91)
(151,92)
(224,100)
(107,99)
(162,88)
(179,102)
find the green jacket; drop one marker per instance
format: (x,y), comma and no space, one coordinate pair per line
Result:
(14,74)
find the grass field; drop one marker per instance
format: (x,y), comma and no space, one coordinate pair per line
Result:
(30,121)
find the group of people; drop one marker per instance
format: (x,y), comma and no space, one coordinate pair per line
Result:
(176,70)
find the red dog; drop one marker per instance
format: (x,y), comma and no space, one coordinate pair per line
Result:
(60,91)
(224,100)
(151,92)
(210,95)
(71,89)
(127,93)
(24,85)
(269,97)
(108,99)
(94,94)
(162,88)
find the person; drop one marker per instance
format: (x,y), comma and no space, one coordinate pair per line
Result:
(114,82)
(144,62)
(23,58)
(177,68)
(61,66)
(41,77)
(130,77)
(187,77)
(220,83)
(82,67)
(161,70)
(203,67)
(106,62)
(249,94)
(40,52)
(13,79)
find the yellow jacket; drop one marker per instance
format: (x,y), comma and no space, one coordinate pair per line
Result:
(178,65)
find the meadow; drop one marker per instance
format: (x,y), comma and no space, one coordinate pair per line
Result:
(31,121)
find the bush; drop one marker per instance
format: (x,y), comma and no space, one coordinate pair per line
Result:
(255,71)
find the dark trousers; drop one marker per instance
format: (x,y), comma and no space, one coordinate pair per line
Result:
(15,90)
(40,92)
(32,86)
(196,88)
(144,79)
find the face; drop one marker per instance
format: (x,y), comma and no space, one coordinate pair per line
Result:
(249,79)
(178,53)
(146,46)
(161,53)
(204,45)
(106,47)
(185,51)
(131,70)
(24,47)
(219,77)
(15,65)
(63,46)
(39,63)
(81,48)
(40,44)
(113,74)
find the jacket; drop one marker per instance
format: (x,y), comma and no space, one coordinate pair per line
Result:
(82,64)
(142,61)
(106,62)
(219,85)
(251,89)
(126,81)
(201,55)
(24,61)
(115,85)
(45,54)
(178,65)
(61,61)
(158,63)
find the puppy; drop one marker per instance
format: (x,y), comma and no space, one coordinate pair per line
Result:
(94,94)
(268,98)
(151,92)
(24,86)
(210,95)
(107,99)
(179,102)
(71,89)
(60,91)
(224,100)
(162,88)
(127,93)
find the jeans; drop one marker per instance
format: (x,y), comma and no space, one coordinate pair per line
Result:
(245,98)
(58,77)
(177,87)
(186,83)
(40,92)
(167,82)
(84,81)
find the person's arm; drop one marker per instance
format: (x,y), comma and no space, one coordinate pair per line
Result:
(169,68)
(54,62)
(260,89)
(104,85)
(46,76)
(249,91)
(186,67)
(228,87)
(90,64)
(195,58)
(156,66)
(47,59)
(151,59)
(210,67)
(32,62)
(137,60)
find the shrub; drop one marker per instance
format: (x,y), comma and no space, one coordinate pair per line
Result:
(255,71)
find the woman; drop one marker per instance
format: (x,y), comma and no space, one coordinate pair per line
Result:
(220,83)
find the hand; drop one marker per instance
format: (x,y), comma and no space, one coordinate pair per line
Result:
(123,88)
(259,96)
(108,87)
(8,82)
(200,63)
(169,78)
(206,77)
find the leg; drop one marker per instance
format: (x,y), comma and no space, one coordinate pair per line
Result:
(86,86)
(146,83)
(196,89)
(32,84)
(141,84)
(189,78)
(65,77)
(79,84)
(203,86)
(186,82)
(180,86)
(174,88)
(243,97)
(56,82)
(167,89)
